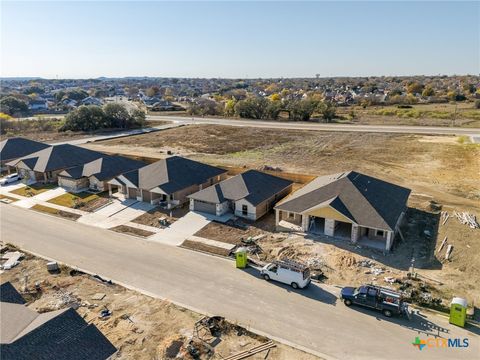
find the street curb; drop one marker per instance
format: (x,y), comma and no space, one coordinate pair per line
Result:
(188,307)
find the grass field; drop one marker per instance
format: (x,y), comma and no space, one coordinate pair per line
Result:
(74,200)
(32,190)
(448,114)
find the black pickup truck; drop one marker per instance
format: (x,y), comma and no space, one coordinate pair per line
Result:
(385,300)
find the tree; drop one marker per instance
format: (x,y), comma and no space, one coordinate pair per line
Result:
(428,91)
(477,104)
(11,105)
(275,97)
(414,88)
(204,107)
(116,116)
(152,91)
(92,117)
(252,108)
(301,110)
(328,110)
(230,107)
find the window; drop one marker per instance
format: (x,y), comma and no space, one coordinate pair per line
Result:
(291,215)
(244,209)
(379,233)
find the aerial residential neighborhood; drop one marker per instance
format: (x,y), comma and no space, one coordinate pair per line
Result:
(239,180)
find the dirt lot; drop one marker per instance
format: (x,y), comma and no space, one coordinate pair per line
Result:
(140,327)
(441,169)
(151,218)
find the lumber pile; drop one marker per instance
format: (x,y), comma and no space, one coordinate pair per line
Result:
(254,350)
(467,219)
(444,217)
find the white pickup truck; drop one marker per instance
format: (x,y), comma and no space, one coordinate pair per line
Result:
(289,272)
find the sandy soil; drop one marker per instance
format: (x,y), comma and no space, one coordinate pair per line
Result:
(140,327)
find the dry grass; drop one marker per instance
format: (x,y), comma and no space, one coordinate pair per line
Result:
(77,200)
(56,212)
(132,231)
(32,190)
(194,245)
(8,198)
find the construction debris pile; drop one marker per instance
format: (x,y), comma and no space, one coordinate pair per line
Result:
(10,259)
(467,219)
(208,333)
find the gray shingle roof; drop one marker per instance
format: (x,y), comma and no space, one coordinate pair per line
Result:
(365,200)
(171,174)
(18,147)
(103,168)
(61,334)
(59,157)
(10,295)
(253,186)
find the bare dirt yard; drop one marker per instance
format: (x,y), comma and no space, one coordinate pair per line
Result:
(140,327)
(440,170)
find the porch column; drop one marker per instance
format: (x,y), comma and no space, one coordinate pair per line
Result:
(305,220)
(110,190)
(329,227)
(45,178)
(355,233)
(388,243)
(277,216)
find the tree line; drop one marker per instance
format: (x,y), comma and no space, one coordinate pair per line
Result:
(109,116)
(262,108)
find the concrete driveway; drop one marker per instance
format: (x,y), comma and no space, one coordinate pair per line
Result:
(119,212)
(185,227)
(313,319)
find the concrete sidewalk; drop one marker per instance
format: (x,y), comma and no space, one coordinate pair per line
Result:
(181,229)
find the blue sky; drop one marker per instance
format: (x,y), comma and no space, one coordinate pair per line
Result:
(69,39)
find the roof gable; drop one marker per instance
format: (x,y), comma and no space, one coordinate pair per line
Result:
(253,186)
(171,174)
(366,200)
(18,147)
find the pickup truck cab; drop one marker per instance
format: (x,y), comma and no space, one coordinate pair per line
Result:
(389,302)
(9,179)
(289,272)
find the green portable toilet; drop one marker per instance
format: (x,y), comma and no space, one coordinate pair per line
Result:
(458,311)
(241,257)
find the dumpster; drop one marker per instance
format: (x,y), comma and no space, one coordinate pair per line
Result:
(458,311)
(241,257)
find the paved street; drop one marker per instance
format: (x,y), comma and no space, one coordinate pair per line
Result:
(323,127)
(313,319)
(117,134)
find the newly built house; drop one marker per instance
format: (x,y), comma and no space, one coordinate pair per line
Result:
(349,205)
(15,148)
(95,174)
(169,180)
(61,334)
(249,195)
(46,164)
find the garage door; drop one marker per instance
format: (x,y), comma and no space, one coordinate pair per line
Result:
(204,207)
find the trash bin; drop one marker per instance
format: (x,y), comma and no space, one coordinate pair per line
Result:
(458,311)
(241,257)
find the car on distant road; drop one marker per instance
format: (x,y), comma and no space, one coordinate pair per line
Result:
(388,301)
(9,179)
(289,272)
